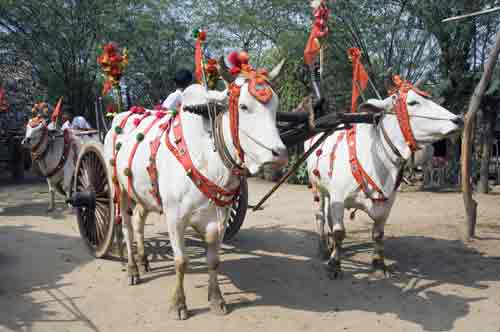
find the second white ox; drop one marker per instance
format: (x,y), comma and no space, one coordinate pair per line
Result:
(180,200)
(55,153)
(382,157)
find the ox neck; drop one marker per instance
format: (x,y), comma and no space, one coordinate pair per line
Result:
(40,149)
(392,140)
(53,153)
(198,133)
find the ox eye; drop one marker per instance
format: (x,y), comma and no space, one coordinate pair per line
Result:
(413,103)
(243,107)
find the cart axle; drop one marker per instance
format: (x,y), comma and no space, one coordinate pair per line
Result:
(85,199)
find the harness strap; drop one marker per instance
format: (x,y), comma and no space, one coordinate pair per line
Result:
(389,141)
(117,131)
(35,155)
(64,156)
(139,139)
(234,96)
(213,192)
(151,168)
(340,137)
(359,174)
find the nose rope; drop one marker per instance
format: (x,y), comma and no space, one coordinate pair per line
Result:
(421,116)
(262,145)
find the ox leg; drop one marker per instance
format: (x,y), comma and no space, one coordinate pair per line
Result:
(51,197)
(338,234)
(176,229)
(378,260)
(141,258)
(212,238)
(321,216)
(133,271)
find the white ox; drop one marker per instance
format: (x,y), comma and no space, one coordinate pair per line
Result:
(182,203)
(429,122)
(48,153)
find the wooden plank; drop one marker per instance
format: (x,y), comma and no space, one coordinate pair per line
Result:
(461,17)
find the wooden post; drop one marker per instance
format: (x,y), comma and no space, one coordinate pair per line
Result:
(469,202)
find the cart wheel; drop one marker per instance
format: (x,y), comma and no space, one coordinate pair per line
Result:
(238,212)
(92,176)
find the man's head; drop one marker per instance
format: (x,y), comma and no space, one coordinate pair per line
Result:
(183,78)
(66,116)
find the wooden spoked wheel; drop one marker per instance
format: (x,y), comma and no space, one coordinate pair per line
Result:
(238,212)
(92,176)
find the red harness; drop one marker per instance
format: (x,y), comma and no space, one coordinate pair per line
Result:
(360,175)
(218,195)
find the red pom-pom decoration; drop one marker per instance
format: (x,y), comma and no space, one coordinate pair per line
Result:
(160,114)
(202,35)
(319,152)
(234,59)
(235,71)
(137,121)
(316,173)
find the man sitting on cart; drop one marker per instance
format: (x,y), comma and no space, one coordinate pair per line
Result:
(183,78)
(75,123)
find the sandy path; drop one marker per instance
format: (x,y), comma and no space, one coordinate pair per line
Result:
(270,274)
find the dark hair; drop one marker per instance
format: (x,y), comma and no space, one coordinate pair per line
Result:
(183,78)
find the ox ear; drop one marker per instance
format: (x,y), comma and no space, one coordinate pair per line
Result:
(275,73)
(375,105)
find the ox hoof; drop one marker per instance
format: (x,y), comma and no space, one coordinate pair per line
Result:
(179,312)
(380,270)
(218,307)
(334,269)
(143,265)
(134,280)
(50,209)
(323,251)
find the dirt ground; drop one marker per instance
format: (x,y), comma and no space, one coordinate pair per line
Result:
(270,275)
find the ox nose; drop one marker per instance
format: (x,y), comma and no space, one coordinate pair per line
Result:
(459,121)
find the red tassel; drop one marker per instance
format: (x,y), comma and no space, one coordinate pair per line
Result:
(316,173)
(319,152)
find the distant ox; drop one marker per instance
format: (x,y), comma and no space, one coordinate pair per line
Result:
(54,153)
(149,154)
(382,150)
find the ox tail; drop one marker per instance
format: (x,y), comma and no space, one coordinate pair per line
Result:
(352,216)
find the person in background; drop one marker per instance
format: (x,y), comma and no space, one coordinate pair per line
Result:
(183,78)
(75,123)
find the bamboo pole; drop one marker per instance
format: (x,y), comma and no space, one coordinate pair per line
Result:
(294,168)
(461,17)
(469,202)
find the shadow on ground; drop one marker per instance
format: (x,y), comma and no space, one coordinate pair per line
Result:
(37,268)
(278,265)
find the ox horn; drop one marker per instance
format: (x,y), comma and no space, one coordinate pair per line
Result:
(275,73)
(224,71)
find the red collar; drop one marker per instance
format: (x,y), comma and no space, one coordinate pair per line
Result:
(401,109)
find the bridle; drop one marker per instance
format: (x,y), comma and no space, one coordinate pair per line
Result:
(36,151)
(260,88)
(400,110)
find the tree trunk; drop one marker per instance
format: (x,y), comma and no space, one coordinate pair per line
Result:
(487,141)
(469,202)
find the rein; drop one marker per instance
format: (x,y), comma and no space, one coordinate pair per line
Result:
(37,155)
